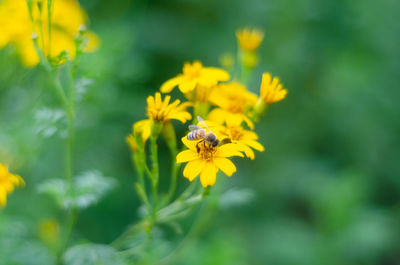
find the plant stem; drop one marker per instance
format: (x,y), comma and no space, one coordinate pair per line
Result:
(155,173)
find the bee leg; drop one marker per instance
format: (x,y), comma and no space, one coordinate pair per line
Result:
(198,148)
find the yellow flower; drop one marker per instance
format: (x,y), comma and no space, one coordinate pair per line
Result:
(160,111)
(17,27)
(8,182)
(244,139)
(271,90)
(233,101)
(193,75)
(249,39)
(207,161)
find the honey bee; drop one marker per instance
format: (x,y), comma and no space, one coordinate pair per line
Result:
(197,132)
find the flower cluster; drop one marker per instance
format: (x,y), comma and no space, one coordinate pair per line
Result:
(8,182)
(53,26)
(229,108)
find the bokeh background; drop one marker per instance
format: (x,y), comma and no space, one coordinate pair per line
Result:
(325,191)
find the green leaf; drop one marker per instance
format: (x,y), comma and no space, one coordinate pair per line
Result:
(236,197)
(88,189)
(92,254)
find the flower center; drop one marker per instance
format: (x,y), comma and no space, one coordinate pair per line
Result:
(205,151)
(236,108)
(157,114)
(236,133)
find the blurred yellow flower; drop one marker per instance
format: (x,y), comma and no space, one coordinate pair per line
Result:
(271,90)
(193,75)
(233,101)
(8,182)
(49,230)
(207,161)
(249,39)
(244,139)
(67,18)
(160,111)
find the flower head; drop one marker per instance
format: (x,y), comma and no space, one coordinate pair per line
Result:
(160,111)
(8,182)
(233,101)
(206,160)
(244,139)
(18,22)
(271,90)
(193,75)
(249,39)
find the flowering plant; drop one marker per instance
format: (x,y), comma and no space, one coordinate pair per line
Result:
(216,105)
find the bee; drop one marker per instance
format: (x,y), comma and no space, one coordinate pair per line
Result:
(197,132)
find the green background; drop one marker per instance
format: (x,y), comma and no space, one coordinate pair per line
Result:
(325,191)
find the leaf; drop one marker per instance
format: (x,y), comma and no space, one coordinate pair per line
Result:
(236,197)
(92,254)
(88,189)
(49,121)
(82,85)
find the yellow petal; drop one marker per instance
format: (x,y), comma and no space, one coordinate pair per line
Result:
(228,150)
(150,102)
(265,82)
(216,73)
(254,144)
(193,169)
(217,116)
(180,116)
(187,86)
(186,156)
(208,175)
(225,165)
(167,86)
(247,150)
(190,143)
(3,197)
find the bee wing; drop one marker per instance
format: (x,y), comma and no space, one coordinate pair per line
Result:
(194,127)
(202,122)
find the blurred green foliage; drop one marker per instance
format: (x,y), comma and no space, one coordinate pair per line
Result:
(327,188)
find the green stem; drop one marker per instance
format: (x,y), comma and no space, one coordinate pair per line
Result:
(155,173)
(170,138)
(71,220)
(49,14)
(205,216)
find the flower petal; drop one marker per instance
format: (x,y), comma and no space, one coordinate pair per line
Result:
(254,144)
(167,86)
(193,169)
(187,86)
(247,150)
(186,156)
(208,175)
(225,165)
(191,144)
(228,150)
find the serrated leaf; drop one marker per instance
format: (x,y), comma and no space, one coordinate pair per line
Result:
(49,121)
(236,197)
(92,254)
(88,189)
(82,85)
